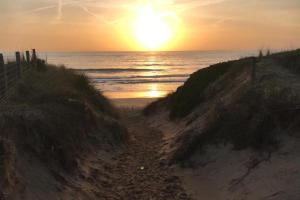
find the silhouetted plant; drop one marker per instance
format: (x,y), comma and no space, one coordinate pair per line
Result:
(260,55)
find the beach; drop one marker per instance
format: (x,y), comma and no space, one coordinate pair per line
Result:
(135,103)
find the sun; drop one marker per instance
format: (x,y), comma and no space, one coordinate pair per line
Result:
(151,30)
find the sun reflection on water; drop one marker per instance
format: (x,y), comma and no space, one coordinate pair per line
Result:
(154,92)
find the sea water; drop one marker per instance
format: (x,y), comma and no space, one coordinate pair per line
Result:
(140,74)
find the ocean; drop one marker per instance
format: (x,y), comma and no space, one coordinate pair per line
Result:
(140,74)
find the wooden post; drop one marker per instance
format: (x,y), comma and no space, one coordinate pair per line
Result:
(2,65)
(2,80)
(253,70)
(34,57)
(1,60)
(27,57)
(18,61)
(23,58)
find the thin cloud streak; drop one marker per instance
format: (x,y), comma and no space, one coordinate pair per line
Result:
(59,10)
(184,6)
(36,10)
(85,4)
(114,19)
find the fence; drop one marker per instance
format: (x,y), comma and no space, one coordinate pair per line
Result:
(11,72)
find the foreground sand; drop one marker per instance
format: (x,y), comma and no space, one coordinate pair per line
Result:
(137,173)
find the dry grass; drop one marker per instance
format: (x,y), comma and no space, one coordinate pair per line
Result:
(254,119)
(57,114)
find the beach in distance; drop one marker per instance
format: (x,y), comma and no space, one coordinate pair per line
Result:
(133,103)
(126,75)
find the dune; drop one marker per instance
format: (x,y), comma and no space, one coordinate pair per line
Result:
(230,132)
(57,132)
(232,129)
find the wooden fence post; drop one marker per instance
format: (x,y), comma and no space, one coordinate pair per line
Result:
(253,70)
(34,57)
(2,65)
(27,57)
(2,79)
(1,60)
(23,58)
(18,60)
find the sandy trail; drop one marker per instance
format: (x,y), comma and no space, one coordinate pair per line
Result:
(139,173)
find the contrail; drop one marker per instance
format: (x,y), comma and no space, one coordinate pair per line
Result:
(190,4)
(84,5)
(59,10)
(39,9)
(85,9)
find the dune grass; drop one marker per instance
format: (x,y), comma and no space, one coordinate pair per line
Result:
(290,60)
(188,96)
(256,117)
(57,114)
(191,94)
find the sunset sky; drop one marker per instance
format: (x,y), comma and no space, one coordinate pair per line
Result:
(122,25)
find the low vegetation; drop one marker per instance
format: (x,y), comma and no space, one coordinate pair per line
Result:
(254,115)
(290,60)
(188,96)
(55,115)
(191,94)
(256,121)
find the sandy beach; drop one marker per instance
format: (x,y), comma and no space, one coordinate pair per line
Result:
(137,103)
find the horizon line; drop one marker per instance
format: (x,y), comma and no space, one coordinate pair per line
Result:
(145,51)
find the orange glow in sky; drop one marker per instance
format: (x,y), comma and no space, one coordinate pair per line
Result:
(125,25)
(155,30)
(151,31)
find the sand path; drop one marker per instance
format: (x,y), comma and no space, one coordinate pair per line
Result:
(138,173)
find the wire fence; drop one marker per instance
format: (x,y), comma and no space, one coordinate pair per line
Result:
(11,72)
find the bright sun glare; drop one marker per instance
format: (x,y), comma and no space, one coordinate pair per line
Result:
(151,30)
